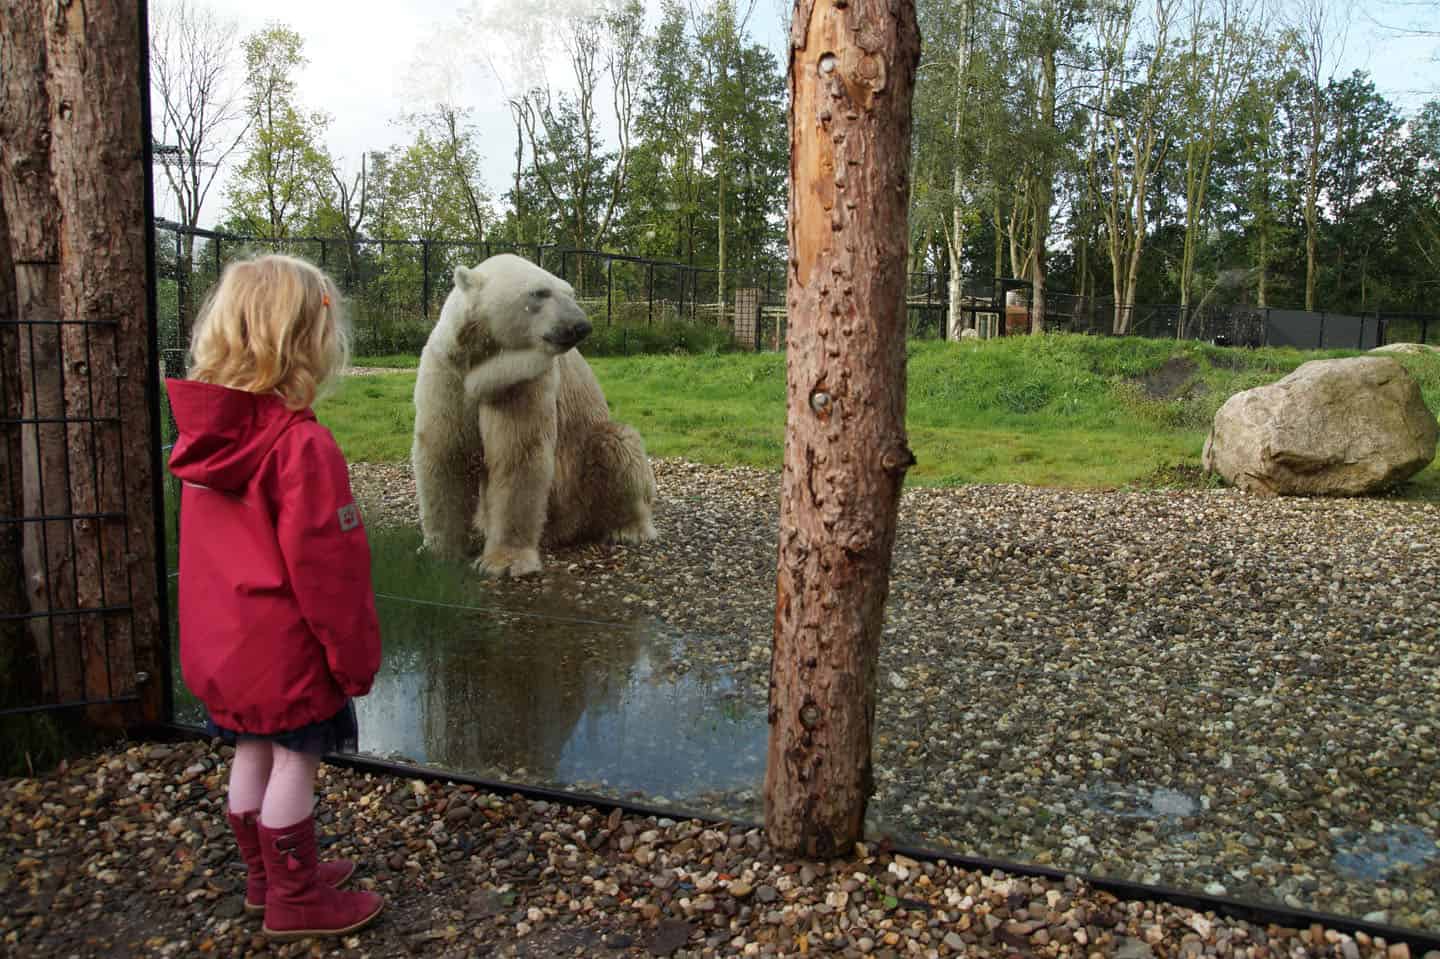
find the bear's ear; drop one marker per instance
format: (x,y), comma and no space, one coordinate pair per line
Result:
(467,279)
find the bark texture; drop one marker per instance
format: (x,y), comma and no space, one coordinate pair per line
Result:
(34,226)
(74,187)
(852,70)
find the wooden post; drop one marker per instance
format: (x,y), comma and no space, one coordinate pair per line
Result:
(852,71)
(34,227)
(72,145)
(96,54)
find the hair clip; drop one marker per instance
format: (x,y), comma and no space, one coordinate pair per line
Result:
(325,299)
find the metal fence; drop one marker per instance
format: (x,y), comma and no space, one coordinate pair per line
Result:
(67,602)
(396,287)
(1231,325)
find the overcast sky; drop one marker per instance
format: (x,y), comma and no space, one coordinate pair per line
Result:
(371,60)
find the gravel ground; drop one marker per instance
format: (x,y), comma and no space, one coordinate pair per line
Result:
(127,854)
(1199,689)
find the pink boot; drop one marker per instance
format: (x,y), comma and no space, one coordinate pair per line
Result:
(298,904)
(247,837)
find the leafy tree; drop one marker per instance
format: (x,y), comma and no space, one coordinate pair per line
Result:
(272,190)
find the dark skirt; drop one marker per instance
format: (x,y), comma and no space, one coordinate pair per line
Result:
(338,734)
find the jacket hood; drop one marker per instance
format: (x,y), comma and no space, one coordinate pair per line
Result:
(224,434)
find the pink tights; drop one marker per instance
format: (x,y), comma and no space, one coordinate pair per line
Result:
(277,781)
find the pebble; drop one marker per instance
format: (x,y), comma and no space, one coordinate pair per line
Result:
(497,899)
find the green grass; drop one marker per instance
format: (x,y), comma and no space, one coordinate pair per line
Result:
(372,417)
(390,361)
(1057,410)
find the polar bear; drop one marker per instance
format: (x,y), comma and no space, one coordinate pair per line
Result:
(513,438)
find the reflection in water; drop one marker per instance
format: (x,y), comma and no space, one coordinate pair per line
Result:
(556,699)
(1379,855)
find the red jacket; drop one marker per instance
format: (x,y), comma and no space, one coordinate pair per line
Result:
(277,611)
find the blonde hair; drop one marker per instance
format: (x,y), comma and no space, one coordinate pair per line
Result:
(272,323)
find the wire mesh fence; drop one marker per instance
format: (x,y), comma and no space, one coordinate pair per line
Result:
(67,597)
(396,287)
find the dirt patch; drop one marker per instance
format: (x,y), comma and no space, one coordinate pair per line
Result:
(1172,379)
(1176,476)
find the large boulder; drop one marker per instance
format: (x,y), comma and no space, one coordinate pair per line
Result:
(1419,349)
(1331,428)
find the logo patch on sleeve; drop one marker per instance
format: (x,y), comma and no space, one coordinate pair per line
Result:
(349,517)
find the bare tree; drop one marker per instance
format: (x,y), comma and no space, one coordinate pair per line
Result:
(463,163)
(1135,139)
(351,193)
(852,76)
(955,236)
(563,131)
(1218,46)
(200,116)
(1317,31)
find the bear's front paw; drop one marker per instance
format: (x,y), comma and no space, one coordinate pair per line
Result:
(441,549)
(516,562)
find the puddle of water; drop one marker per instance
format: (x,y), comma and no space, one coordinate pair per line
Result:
(1374,856)
(526,686)
(557,703)
(1126,802)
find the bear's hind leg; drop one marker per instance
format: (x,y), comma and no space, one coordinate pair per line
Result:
(625,497)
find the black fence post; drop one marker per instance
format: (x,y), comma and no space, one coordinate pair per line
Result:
(650,293)
(1425,329)
(1320,344)
(425,283)
(1265,329)
(181,293)
(609,290)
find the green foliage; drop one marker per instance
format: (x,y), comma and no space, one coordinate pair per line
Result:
(272,190)
(628,339)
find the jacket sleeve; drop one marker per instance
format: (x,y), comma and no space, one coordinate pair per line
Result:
(327,555)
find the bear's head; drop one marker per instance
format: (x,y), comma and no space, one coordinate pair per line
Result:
(519,306)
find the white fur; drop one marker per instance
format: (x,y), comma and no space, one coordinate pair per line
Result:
(513,439)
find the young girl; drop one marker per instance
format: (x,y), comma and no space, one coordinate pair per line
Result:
(277,613)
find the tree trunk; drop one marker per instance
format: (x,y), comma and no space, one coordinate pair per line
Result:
(80,250)
(1312,195)
(1044,187)
(999,239)
(96,146)
(720,273)
(852,72)
(1311,229)
(19,676)
(956,292)
(958,319)
(34,251)
(1261,282)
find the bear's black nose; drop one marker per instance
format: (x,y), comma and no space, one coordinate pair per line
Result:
(567,336)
